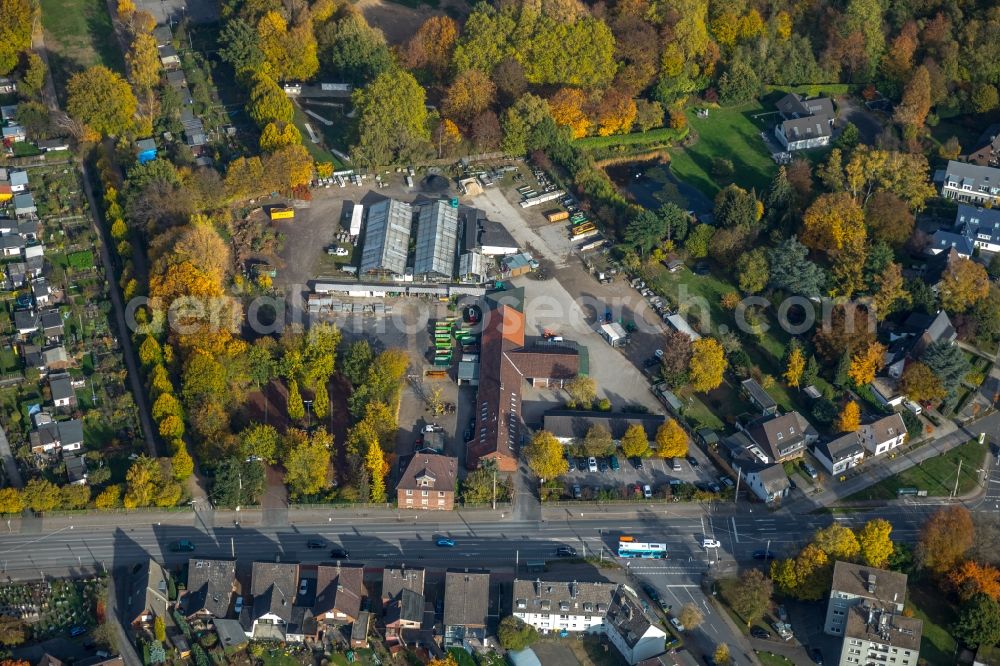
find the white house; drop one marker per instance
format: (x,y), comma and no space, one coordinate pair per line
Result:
(628,628)
(841,454)
(970,183)
(883,435)
(805,123)
(769,483)
(63,394)
(549,606)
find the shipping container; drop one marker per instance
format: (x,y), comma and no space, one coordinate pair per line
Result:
(282,213)
(556,215)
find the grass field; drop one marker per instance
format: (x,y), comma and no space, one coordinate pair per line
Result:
(731,133)
(78,34)
(935,475)
(771,659)
(936,644)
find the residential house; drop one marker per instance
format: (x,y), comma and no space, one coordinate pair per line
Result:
(557,606)
(759,397)
(855,584)
(783,437)
(8,113)
(918,332)
(840,454)
(428,482)
(806,123)
(11,246)
(570,425)
(62,391)
(162,35)
(40,291)
(169,58)
(16,274)
(987,152)
(273,588)
(210,587)
(48,660)
(51,323)
(339,592)
(13,133)
(24,205)
(148,595)
(768,482)
(51,436)
(969,183)
(884,435)
(25,321)
(975,228)
(100,661)
(630,630)
(18,181)
(402,600)
(466,604)
(76,469)
(145,150)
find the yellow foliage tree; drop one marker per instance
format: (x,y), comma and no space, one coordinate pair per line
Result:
(616,113)
(11,501)
(833,222)
(671,440)
(566,107)
(963,284)
(277,135)
(707,365)
(875,542)
(377,469)
(838,542)
(471,94)
(109,498)
(850,418)
(866,363)
(545,456)
(794,368)
(143,61)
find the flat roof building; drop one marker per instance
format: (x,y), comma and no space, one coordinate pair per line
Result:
(387,237)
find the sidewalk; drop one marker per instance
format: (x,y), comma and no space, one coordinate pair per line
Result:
(906,459)
(9,464)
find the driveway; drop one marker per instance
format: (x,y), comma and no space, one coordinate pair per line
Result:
(9,464)
(868,124)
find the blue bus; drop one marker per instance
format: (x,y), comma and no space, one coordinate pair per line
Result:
(629,547)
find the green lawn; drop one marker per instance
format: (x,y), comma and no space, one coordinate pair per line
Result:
(731,133)
(78,34)
(935,475)
(936,644)
(318,151)
(771,659)
(462,657)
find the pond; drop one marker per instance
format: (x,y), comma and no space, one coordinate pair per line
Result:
(651,184)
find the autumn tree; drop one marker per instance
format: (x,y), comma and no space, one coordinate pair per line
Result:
(806,576)
(889,219)
(109,498)
(971,578)
(948,363)
(850,417)
(277,135)
(471,93)
(431,46)
(615,113)
(751,598)
(865,363)
(567,108)
(850,328)
(33,79)
(889,291)
(582,391)
(671,440)
(753,271)
(598,441)
(392,119)
(676,357)
(11,501)
(920,384)
(708,363)
(307,462)
(290,51)
(290,167)
(963,284)
(875,543)
(838,541)
(102,100)
(13,631)
(377,468)
(268,102)
(690,616)
(944,539)
(833,222)
(143,60)
(794,366)
(873,170)
(41,495)
(916,103)
(721,654)
(545,456)
(15,31)
(634,442)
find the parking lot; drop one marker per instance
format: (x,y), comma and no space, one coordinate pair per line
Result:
(632,475)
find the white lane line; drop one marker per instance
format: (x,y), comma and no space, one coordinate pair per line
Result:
(736,533)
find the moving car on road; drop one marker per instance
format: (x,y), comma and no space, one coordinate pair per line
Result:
(446,542)
(676,624)
(757,632)
(182,546)
(565,551)
(711,543)
(339,553)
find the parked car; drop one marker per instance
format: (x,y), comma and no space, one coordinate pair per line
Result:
(651,592)
(676,624)
(577,492)
(711,543)
(810,470)
(782,613)
(636,462)
(647,492)
(315,544)
(675,464)
(565,551)
(592,464)
(614,464)
(338,553)
(238,606)
(602,464)
(714,487)
(303,586)
(182,546)
(817,656)
(446,542)
(693,462)
(757,632)
(581,464)
(727,482)
(77,631)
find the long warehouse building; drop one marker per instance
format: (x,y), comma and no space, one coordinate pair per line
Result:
(387,238)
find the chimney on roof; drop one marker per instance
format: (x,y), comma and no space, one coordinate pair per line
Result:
(538,587)
(870,586)
(574,590)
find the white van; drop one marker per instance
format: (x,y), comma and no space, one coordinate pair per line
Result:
(913,407)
